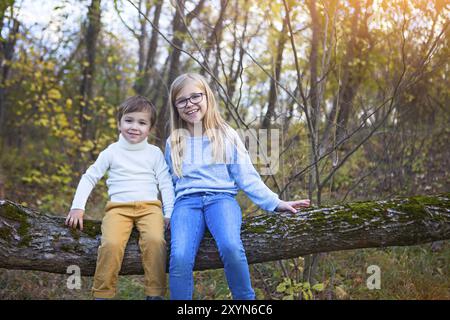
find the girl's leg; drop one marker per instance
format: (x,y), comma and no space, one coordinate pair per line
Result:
(116,229)
(187,227)
(223,217)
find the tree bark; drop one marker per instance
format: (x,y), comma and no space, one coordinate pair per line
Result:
(36,241)
(146,63)
(179,31)
(88,80)
(270,113)
(7,47)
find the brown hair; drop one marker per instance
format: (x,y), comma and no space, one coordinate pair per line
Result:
(137,104)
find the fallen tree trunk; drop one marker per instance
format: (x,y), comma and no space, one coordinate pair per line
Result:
(36,241)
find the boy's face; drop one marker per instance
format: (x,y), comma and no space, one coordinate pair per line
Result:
(135,126)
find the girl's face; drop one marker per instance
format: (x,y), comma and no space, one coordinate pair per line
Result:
(135,126)
(191,104)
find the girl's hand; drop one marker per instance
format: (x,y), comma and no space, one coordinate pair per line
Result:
(74,218)
(167,223)
(292,206)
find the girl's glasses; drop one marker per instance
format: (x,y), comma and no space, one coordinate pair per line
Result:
(195,98)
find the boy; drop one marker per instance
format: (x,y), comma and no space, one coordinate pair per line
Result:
(136,169)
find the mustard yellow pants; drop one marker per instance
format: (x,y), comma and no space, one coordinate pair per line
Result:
(117,225)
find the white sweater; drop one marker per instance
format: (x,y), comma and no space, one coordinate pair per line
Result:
(135,171)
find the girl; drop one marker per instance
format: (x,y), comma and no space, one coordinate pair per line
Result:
(209,164)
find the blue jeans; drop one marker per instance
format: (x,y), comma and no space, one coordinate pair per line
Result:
(221,213)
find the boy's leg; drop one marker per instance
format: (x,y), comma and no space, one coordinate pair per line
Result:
(116,229)
(224,218)
(187,227)
(153,248)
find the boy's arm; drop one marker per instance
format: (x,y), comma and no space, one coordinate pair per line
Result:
(74,218)
(169,162)
(85,186)
(165,184)
(89,179)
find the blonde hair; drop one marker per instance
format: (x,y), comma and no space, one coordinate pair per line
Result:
(217,130)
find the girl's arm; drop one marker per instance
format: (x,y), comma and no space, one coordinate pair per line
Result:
(248,179)
(293,205)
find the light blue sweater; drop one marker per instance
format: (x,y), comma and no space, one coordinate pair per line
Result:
(200,174)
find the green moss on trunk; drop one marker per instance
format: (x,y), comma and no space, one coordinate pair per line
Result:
(12,213)
(5,233)
(92,228)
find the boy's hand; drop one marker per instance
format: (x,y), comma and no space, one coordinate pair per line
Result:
(74,218)
(167,223)
(292,206)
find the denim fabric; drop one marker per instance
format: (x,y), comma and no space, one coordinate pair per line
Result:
(221,213)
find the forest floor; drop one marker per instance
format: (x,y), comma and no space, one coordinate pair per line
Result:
(416,272)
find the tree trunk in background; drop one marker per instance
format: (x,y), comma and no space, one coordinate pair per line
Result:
(214,37)
(270,113)
(235,68)
(2,185)
(312,261)
(7,46)
(147,59)
(34,241)
(87,82)
(353,75)
(162,124)
(179,33)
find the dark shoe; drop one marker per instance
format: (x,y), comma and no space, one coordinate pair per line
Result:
(154,298)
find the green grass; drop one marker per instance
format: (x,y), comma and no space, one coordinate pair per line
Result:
(415,272)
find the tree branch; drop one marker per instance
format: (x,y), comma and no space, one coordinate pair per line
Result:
(35,241)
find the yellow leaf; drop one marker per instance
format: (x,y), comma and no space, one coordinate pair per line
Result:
(50,65)
(340,293)
(281,287)
(318,287)
(54,94)
(112,123)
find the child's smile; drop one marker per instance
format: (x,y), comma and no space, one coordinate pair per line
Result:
(192,112)
(135,126)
